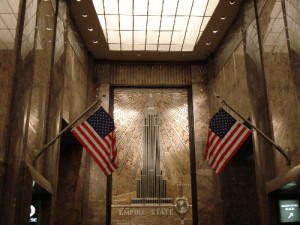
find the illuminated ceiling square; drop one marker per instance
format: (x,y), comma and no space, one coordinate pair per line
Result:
(153,25)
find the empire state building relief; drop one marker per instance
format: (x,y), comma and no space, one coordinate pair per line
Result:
(151,187)
(152,130)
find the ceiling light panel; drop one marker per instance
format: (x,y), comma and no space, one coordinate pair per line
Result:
(153,25)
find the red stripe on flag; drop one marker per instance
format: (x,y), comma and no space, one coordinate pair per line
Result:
(105,145)
(103,152)
(213,141)
(83,143)
(215,146)
(97,138)
(226,160)
(94,150)
(230,144)
(223,142)
(90,137)
(106,149)
(207,145)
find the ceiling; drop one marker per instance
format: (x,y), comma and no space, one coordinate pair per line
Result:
(203,49)
(8,23)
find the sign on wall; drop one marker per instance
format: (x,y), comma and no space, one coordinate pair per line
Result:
(289,211)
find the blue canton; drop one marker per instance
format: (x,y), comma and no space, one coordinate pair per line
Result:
(221,123)
(101,122)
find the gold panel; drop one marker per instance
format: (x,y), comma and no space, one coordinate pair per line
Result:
(130,105)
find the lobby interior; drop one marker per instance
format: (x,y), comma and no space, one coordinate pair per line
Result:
(58,57)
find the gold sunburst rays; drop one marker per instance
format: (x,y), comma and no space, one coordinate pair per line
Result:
(178,132)
(171,105)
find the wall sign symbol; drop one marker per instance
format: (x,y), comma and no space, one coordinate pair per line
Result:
(291,214)
(32,210)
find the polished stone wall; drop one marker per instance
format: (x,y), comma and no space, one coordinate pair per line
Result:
(231,84)
(8,20)
(254,70)
(71,66)
(21,97)
(279,76)
(6,81)
(292,23)
(48,51)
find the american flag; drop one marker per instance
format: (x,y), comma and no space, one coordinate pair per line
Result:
(225,136)
(97,136)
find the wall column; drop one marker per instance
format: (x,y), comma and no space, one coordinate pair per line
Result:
(263,151)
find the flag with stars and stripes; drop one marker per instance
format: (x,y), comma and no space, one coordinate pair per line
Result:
(97,136)
(225,136)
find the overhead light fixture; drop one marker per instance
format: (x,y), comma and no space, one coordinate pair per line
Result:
(223,18)
(208,43)
(231,2)
(215,31)
(90,29)
(84,15)
(153,25)
(95,42)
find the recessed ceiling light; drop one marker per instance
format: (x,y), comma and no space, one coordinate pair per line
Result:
(90,29)
(48,28)
(215,31)
(78,0)
(208,43)
(84,15)
(223,18)
(95,42)
(231,2)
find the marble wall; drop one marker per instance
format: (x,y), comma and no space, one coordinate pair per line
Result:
(291,16)
(278,73)
(254,70)
(231,84)
(8,25)
(46,51)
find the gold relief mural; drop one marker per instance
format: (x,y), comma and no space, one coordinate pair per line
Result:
(171,108)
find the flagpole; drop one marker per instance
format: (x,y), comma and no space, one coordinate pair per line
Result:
(280,149)
(64,131)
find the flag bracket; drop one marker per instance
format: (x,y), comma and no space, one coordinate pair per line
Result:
(65,130)
(286,154)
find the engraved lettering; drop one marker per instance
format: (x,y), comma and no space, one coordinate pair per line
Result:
(146,212)
(152,212)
